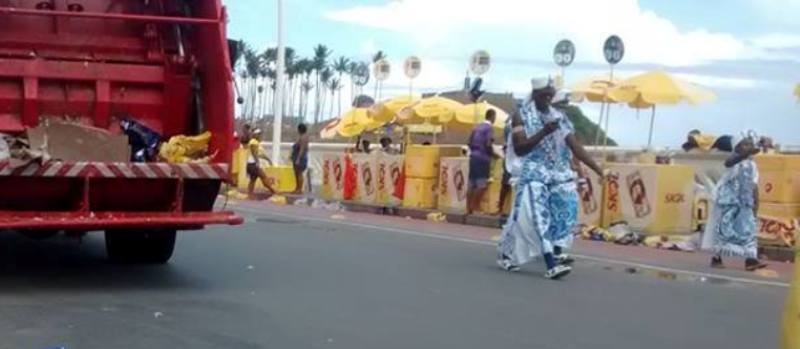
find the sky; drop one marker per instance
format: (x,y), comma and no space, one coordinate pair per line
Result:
(746,51)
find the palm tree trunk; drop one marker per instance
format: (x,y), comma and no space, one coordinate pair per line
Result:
(317,101)
(333,95)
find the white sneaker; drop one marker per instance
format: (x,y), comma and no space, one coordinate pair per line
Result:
(564,259)
(558,272)
(505,264)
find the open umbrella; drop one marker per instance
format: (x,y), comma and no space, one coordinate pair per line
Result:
(437,110)
(471,114)
(386,111)
(593,89)
(349,127)
(659,88)
(331,129)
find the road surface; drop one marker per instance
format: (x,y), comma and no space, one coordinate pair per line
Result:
(288,280)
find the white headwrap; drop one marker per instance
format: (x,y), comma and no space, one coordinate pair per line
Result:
(541,82)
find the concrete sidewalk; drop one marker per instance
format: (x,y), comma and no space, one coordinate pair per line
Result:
(631,259)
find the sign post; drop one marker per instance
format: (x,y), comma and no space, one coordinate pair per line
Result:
(381,71)
(479,64)
(564,55)
(412,67)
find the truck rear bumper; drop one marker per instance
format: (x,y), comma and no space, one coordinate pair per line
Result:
(90,221)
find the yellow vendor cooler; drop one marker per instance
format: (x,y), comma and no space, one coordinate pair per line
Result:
(366,178)
(420,193)
(281,178)
(422,161)
(453,185)
(654,199)
(390,168)
(332,176)
(779,178)
(778,224)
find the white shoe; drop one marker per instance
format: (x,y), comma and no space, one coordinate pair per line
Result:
(505,264)
(564,259)
(558,272)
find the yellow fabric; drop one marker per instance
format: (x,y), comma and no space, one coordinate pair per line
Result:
(594,89)
(704,141)
(184,149)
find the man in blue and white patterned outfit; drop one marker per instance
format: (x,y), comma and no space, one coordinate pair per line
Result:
(546,201)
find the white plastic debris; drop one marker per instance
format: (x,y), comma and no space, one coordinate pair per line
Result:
(158,314)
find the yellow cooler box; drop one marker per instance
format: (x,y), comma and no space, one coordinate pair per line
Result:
(590,196)
(420,193)
(779,178)
(778,224)
(366,178)
(332,176)
(422,161)
(453,185)
(390,170)
(655,199)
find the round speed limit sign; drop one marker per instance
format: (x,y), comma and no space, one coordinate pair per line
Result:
(613,49)
(564,53)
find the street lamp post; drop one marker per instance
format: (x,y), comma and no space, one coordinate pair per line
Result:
(280,74)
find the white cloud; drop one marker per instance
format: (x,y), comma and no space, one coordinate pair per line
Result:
(649,38)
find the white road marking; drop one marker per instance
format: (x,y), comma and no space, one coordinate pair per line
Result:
(489,243)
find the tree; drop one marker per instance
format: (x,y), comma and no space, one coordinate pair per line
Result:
(375,59)
(335,86)
(352,69)
(340,65)
(324,80)
(321,54)
(584,128)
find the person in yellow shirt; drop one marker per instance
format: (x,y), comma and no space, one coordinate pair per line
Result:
(254,170)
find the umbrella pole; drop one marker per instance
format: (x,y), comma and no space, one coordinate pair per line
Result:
(652,121)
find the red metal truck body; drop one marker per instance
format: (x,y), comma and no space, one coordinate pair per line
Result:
(163,63)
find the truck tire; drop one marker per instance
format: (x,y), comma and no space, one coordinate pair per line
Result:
(140,247)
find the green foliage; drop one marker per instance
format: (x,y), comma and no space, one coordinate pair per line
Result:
(585,129)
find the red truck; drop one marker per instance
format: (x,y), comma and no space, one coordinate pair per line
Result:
(164,64)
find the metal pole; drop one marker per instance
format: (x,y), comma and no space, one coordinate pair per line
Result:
(278,117)
(652,121)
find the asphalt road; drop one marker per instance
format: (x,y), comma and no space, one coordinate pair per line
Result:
(294,283)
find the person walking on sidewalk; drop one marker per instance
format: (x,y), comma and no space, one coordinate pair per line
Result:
(254,170)
(731,231)
(546,201)
(480,159)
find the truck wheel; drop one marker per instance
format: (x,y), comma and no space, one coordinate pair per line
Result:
(140,247)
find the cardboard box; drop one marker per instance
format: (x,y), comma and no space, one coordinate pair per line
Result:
(390,177)
(779,178)
(366,178)
(590,197)
(453,185)
(332,176)
(654,199)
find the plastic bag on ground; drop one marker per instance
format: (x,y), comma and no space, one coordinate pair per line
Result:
(278,200)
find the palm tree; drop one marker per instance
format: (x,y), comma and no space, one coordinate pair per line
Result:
(335,86)
(321,54)
(305,88)
(324,80)
(378,56)
(308,70)
(340,65)
(352,69)
(252,68)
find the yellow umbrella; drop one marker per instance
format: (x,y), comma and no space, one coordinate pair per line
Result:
(363,116)
(594,89)
(349,127)
(330,130)
(387,110)
(435,109)
(658,87)
(466,117)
